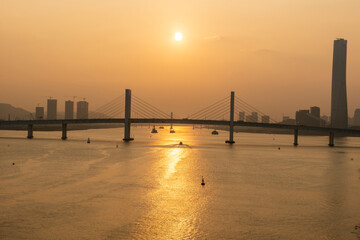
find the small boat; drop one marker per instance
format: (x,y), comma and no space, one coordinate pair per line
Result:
(214,132)
(154,130)
(180,143)
(202,181)
(88,141)
(161,127)
(172,131)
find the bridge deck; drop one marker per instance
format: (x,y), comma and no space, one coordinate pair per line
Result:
(178,121)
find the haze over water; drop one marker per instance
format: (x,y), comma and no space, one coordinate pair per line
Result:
(150,188)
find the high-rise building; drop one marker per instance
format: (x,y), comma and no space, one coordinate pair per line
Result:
(356,121)
(308,118)
(315,111)
(302,117)
(242,116)
(253,117)
(265,119)
(39,113)
(288,121)
(82,111)
(69,109)
(339,111)
(51,109)
(325,118)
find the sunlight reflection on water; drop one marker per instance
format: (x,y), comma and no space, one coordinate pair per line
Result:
(150,188)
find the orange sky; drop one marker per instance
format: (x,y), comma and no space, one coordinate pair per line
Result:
(276,55)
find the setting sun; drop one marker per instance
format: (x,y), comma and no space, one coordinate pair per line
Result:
(178,36)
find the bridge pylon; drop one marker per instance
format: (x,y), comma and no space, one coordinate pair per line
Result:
(127,116)
(64,131)
(30,131)
(231,130)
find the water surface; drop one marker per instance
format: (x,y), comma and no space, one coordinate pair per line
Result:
(150,188)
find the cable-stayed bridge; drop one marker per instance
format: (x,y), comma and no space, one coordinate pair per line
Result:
(127,109)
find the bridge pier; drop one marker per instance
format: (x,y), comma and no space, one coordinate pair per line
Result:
(127,116)
(231,130)
(331,139)
(296,133)
(64,131)
(30,131)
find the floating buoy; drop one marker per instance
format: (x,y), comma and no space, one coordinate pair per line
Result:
(88,141)
(279,148)
(202,181)
(13,163)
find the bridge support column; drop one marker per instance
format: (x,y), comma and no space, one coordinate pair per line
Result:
(64,131)
(127,116)
(331,139)
(231,130)
(30,131)
(296,133)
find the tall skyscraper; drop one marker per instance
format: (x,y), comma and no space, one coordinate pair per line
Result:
(339,111)
(357,117)
(82,111)
(69,109)
(315,111)
(39,113)
(265,119)
(242,116)
(253,117)
(51,109)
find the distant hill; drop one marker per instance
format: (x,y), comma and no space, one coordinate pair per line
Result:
(15,113)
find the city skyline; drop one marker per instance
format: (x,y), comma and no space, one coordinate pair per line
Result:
(207,119)
(278,66)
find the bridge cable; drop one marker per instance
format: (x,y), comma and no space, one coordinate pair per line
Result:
(200,112)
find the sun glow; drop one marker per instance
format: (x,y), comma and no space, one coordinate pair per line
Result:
(178,36)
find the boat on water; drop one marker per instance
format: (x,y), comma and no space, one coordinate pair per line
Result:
(214,132)
(180,143)
(172,130)
(88,141)
(161,127)
(154,130)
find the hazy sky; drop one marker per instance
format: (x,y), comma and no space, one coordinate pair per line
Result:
(276,55)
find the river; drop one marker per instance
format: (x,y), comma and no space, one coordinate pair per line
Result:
(261,187)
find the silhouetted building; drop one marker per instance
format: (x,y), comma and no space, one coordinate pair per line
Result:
(339,111)
(253,117)
(304,117)
(242,116)
(315,111)
(285,118)
(82,111)
(288,121)
(325,118)
(356,121)
(51,109)
(301,117)
(265,119)
(69,109)
(39,113)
